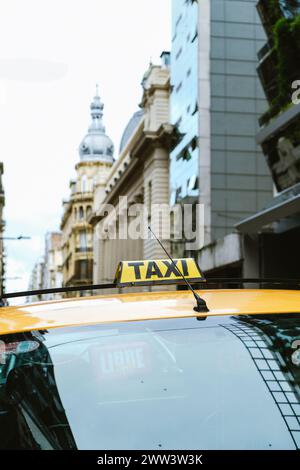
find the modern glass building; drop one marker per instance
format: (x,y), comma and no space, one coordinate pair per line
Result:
(184,109)
(276,228)
(216,102)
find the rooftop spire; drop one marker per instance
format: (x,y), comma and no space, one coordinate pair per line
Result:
(96,145)
(97,113)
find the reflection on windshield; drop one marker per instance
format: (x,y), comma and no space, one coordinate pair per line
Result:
(31,412)
(168,384)
(269,339)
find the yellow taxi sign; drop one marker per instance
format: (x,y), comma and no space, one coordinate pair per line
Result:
(160,271)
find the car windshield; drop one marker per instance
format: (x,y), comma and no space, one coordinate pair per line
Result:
(222,383)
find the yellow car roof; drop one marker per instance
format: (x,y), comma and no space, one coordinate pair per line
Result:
(144,306)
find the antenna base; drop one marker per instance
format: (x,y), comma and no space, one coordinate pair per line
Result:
(201,306)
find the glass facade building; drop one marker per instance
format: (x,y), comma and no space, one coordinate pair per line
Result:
(216,102)
(184,159)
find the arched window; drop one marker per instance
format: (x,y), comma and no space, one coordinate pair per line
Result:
(95,181)
(88,211)
(82,240)
(81,213)
(75,213)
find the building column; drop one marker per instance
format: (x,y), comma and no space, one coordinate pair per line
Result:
(156,187)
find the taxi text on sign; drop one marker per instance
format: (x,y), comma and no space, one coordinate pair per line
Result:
(157,271)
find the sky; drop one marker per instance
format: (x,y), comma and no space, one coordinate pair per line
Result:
(51,57)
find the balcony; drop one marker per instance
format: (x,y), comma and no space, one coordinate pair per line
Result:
(84,249)
(265,49)
(267,73)
(281,122)
(82,196)
(280,141)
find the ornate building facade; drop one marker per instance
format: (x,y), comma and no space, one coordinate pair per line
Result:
(96,158)
(36,281)
(139,176)
(52,276)
(47,271)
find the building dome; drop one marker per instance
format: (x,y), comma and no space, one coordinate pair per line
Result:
(96,145)
(131,126)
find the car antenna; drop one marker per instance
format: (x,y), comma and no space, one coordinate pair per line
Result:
(201,304)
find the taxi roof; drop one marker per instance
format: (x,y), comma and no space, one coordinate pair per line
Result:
(145,306)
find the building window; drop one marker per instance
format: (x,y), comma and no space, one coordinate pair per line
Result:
(173,197)
(73,186)
(178,194)
(178,20)
(178,87)
(83,269)
(195,36)
(81,213)
(186,154)
(82,240)
(178,122)
(88,211)
(194,143)
(195,109)
(178,53)
(84,187)
(192,183)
